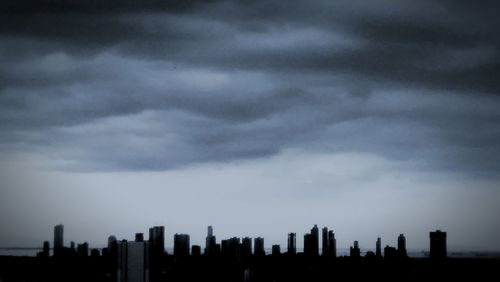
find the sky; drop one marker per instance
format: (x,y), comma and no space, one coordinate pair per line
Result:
(261,118)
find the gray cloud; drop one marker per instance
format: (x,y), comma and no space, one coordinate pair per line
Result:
(158,87)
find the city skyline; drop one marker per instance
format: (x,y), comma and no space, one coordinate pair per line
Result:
(260,118)
(182,246)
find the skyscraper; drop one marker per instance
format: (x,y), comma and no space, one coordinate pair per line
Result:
(133,263)
(276,250)
(58,239)
(315,240)
(210,243)
(438,245)
(402,246)
(378,251)
(46,249)
(292,245)
(156,252)
(355,252)
(259,247)
(246,247)
(311,242)
(332,244)
(325,242)
(156,241)
(195,250)
(181,245)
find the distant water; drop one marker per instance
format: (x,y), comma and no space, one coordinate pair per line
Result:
(19,252)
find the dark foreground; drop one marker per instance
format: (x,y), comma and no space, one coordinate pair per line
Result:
(269,268)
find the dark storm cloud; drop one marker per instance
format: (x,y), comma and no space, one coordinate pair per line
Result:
(206,81)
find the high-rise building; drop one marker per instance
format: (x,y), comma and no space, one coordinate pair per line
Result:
(133,263)
(181,245)
(156,241)
(156,245)
(438,245)
(332,244)
(308,247)
(246,247)
(231,247)
(276,250)
(292,244)
(139,237)
(46,249)
(355,252)
(402,246)
(378,249)
(311,242)
(259,247)
(315,240)
(210,243)
(195,250)
(329,244)
(82,250)
(325,241)
(58,240)
(390,253)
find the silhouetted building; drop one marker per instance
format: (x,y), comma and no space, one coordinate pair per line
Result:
(438,245)
(95,253)
(246,247)
(58,240)
(231,247)
(332,244)
(156,252)
(378,249)
(181,245)
(370,255)
(328,243)
(82,250)
(315,240)
(390,253)
(133,262)
(196,251)
(210,243)
(156,241)
(355,252)
(139,237)
(402,246)
(325,241)
(292,244)
(46,249)
(72,247)
(311,242)
(259,247)
(112,246)
(276,250)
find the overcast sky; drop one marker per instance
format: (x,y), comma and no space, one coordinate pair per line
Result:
(260,118)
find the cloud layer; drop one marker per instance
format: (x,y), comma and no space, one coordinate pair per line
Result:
(160,86)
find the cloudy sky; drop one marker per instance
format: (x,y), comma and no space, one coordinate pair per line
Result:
(373,118)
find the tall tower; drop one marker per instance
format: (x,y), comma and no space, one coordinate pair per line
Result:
(133,264)
(246,247)
(402,246)
(181,245)
(292,245)
(315,240)
(324,241)
(378,252)
(438,245)
(332,244)
(259,247)
(355,252)
(210,242)
(58,239)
